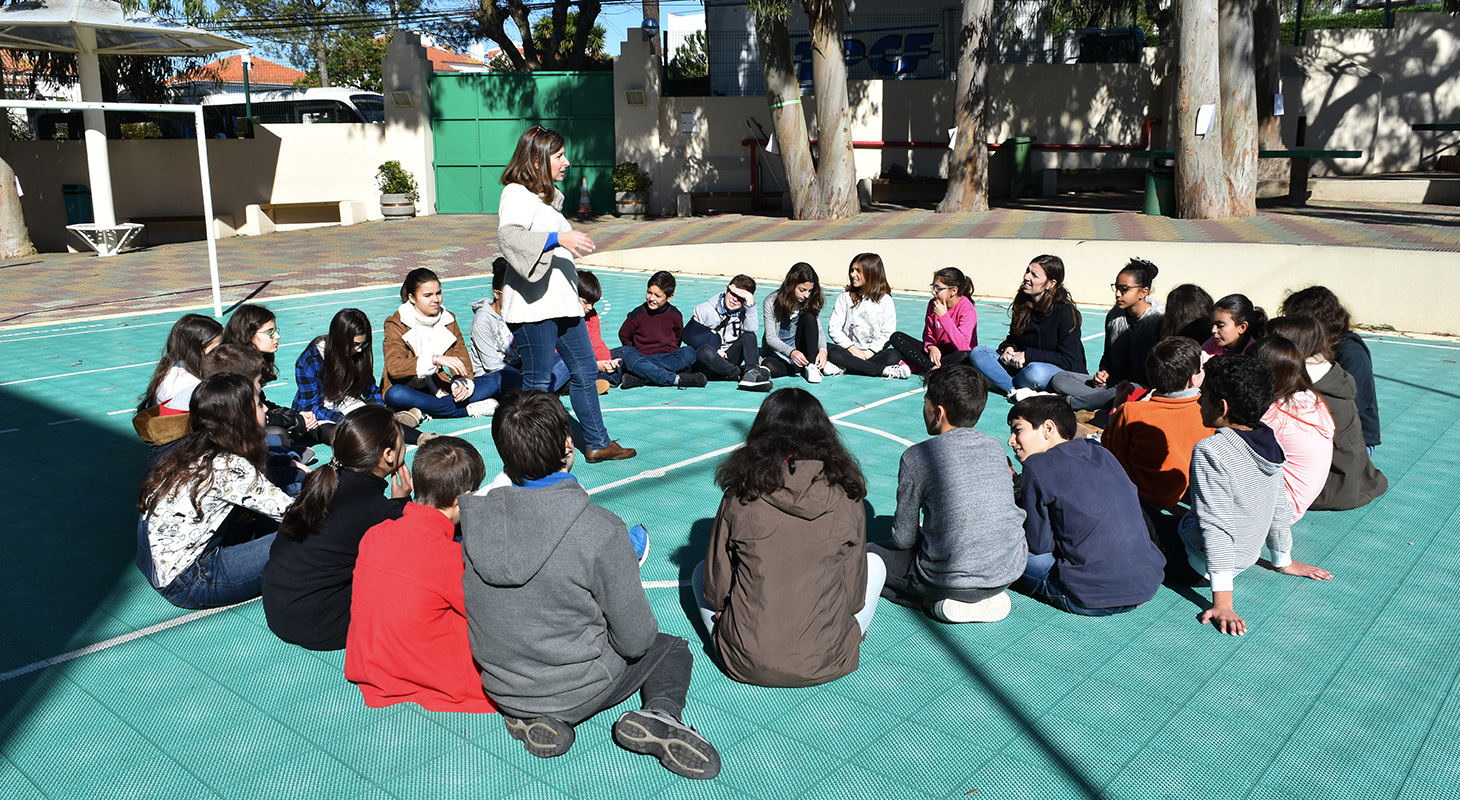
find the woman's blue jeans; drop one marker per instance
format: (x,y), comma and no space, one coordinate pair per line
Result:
(1034,376)
(538,343)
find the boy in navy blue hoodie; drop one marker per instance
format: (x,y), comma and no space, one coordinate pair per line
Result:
(1090,550)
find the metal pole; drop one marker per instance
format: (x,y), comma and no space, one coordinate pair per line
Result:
(1298,26)
(98,160)
(247,97)
(209,226)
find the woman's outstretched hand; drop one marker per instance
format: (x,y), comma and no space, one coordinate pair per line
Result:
(577,242)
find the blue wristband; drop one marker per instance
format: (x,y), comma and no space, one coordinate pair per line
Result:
(552,241)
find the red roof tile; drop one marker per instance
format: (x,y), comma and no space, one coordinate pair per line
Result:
(230,70)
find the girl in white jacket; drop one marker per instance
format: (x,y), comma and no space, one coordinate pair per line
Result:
(863,320)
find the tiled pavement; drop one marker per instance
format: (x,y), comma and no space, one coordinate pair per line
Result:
(60,287)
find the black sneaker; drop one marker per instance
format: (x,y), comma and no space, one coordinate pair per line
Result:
(631,381)
(756,379)
(691,380)
(680,748)
(543,737)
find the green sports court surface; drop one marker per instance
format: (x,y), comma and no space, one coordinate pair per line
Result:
(1340,689)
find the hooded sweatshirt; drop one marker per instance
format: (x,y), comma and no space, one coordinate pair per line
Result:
(789,572)
(1304,429)
(1353,480)
(491,339)
(1238,503)
(554,605)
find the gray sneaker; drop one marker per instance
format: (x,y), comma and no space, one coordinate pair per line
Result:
(543,737)
(755,379)
(680,748)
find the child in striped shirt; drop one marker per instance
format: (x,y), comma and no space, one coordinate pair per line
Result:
(1238,502)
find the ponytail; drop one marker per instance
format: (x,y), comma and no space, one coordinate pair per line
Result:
(361,439)
(953,276)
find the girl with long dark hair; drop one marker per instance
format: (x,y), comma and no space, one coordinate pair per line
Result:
(950,328)
(336,374)
(863,321)
(791,319)
(1349,351)
(196,542)
(1044,332)
(308,578)
(1188,313)
(787,589)
(540,302)
(1300,420)
(1236,325)
(161,417)
(256,327)
(1132,327)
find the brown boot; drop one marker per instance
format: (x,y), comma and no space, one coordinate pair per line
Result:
(611,453)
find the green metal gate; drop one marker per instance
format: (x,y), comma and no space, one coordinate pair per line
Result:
(477,119)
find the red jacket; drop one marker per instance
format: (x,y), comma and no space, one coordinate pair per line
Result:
(595,335)
(407,640)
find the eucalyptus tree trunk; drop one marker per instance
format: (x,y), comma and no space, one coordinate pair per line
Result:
(1238,85)
(1267,63)
(783,95)
(968,164)
(836,174)
(14,236)
(321,59)
(1201,189)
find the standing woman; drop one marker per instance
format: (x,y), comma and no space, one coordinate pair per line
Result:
(863,320)
(540,302)
(336,374)
(427,367)
(1131,330)
(195,543)
(950,328)
(309,579)
(1044,332)
(787,589)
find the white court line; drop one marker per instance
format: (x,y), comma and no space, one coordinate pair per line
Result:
(884,434)
(652,585)
(127,366)
(1413,344)
(1093,336)
(10,430)
(64,421)
(113,642)
(118,411)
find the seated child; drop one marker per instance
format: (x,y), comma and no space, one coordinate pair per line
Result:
(1300,420)
(723,332)
(1153,437)
(555,611)
(1238,502)
(787,588)
(493,358)
(407,638)
(610,367)
(652,353)
(957,536)
(308,580)
(1090,552)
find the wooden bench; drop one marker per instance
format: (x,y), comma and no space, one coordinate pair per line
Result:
(261,218)
(1301,160)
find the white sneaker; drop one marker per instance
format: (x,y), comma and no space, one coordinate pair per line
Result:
(899,371)
(481,408)
(1026,393)
(831,370)
(813,375)
(989,609)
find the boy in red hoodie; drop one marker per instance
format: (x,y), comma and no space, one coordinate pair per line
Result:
(407,640)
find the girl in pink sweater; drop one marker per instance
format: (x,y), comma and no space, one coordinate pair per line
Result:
(1300,420)
(950,328)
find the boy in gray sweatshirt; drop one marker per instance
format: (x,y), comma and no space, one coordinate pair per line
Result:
(957,537)
(557,617)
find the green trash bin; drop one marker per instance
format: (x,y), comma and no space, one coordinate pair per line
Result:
(1161,191)
(77,197)
(1021,176)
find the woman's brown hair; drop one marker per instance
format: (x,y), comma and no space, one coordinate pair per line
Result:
(1289,372)
(1024,307)
(874,279)
(784,303)
(530,164)
(186,341)
(242,325)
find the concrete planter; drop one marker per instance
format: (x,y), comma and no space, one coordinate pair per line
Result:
(397,206)
(634,205)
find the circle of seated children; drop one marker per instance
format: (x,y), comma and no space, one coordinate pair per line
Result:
(789,584)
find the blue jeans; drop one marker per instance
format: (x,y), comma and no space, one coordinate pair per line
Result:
(1036,583)
(662,369)
(400,395)
(229,570)
(1034,376)
(568,337)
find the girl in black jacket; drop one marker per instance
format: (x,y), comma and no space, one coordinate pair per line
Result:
(1044,333)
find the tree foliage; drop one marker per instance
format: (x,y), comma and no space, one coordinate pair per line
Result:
(354,58)
(568,37)
(690,59)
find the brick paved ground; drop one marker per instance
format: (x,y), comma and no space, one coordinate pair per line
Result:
(59,287)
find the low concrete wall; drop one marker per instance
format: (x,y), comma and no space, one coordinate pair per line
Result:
(1362,277)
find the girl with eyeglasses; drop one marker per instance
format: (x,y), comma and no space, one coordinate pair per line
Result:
(255,326)
(950,328)
(1044,333)
(1132,328)
(336,375)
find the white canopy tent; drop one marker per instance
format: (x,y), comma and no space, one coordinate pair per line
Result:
(91,28)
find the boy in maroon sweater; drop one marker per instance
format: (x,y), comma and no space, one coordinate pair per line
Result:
(652,352)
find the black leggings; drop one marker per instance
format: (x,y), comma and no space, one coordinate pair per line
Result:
(808,341)
(916,357)
(871,366)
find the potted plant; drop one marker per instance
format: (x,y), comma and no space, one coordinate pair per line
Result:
(631,190)
(398,191)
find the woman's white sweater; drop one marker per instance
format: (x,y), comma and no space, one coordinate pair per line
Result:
(542,284)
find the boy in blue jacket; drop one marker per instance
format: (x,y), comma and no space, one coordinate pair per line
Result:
(1090,550)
